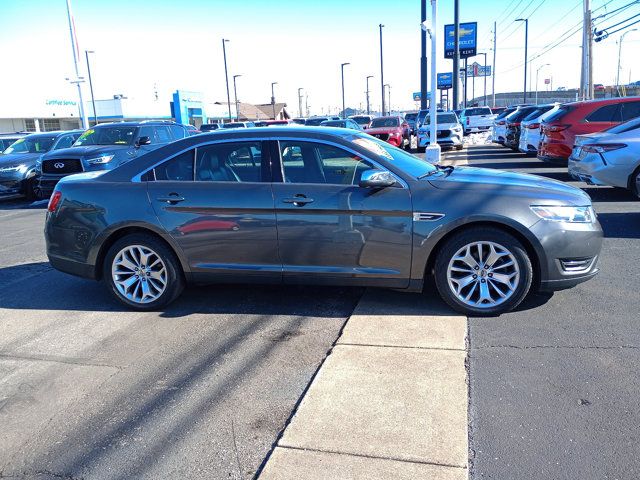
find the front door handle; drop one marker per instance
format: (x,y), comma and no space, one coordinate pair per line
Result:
(298,200)
(172,198)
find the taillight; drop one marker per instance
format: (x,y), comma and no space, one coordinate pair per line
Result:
(501,122)
(595,148)
(556,128)
(54,201)
(533,125)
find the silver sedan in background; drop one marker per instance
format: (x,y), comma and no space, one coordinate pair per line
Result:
(611,157)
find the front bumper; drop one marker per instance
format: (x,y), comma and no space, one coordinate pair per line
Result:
(567,245)
(46,184)
(10,185)
(451,140)
(476,129)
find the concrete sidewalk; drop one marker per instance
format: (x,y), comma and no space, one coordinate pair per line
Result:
(390,401)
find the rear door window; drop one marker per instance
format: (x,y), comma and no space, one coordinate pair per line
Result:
(607,113)
(229,162)
(178,168)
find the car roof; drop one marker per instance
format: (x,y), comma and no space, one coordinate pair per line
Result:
(604,101)
(137,124)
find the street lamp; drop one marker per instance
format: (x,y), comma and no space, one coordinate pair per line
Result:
(368,106)
(273,99)
(78,80)
(300,102)
(538,71)
(226,75)
(619,54)
(93,101)
(235,96)
(381,69)
(526,45)
(344,114)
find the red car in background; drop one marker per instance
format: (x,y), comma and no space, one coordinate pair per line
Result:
(579,118)
(394,130)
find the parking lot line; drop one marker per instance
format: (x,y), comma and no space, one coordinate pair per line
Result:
(391,396)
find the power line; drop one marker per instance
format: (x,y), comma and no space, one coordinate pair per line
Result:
(626,26)
(524,16)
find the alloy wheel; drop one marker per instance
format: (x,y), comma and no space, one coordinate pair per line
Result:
(139,274)
(483,274)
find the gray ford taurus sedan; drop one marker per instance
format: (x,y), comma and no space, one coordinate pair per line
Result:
(318,206)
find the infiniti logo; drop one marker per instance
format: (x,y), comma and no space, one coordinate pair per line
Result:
(58,165)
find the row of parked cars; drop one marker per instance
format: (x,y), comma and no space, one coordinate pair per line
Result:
(598,140)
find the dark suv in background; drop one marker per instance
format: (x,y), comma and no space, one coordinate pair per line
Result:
(19,161)
(104,147)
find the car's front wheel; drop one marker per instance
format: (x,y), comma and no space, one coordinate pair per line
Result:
(483,272)
(142,272)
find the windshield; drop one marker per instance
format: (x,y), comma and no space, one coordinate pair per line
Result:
(32,144)
(442,118)
(361,120)
(107,136)
(385,122)
(410,117)
(233,125)
(334,123)
(409,164)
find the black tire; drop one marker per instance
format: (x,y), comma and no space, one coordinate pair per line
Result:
(407,146)
(488,234)
(175,278)
(459,147)
(30,191)
(633,184)
(422,149)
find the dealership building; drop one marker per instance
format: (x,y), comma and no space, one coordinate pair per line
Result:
(63,113)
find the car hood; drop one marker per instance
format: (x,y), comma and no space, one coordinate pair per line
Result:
(543,190)
(88,151)
(373,131)
(13,159)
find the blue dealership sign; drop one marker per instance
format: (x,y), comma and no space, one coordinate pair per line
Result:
(468,40)
(445,81)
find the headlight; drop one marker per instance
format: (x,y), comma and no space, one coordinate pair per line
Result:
(99,160)
(565,213)
(15,168)
(457,128)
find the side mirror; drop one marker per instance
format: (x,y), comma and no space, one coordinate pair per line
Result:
(143,141)
(377,179)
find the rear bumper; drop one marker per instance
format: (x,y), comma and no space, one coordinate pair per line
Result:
(72,267)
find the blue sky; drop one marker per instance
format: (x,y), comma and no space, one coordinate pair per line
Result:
(177,44)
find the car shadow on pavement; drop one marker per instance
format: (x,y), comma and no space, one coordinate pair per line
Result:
(620,225)
(15,203)
(609,194)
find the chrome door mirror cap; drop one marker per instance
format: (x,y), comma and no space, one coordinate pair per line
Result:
(377,179)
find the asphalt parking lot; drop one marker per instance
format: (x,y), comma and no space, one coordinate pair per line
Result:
(202,390)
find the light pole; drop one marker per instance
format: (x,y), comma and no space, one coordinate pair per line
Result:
(388,93)
(485,77)
(93,101)
(619,55)
(78,80)
(526,45)
(226,75)
(344,114)
(368,106)
(273,99)
(432,153)
(538,71)
(381,70)
(235,96)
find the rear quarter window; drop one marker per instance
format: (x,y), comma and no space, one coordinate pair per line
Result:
(558,114)
(630,110)
(606,113)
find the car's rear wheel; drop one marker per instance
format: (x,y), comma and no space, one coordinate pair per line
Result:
(142,272)
(483,272)
(635,182)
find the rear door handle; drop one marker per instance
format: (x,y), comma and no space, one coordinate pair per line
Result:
(172,198)
(298,200)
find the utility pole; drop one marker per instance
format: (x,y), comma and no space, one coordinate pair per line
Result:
(466,79)
(586,76)
(235,96)
(93,100)
(381,70)
(432,154)
(456,53)
(78,80)
(526,57)
(300,102)
(226,75)
(306,103)
(590,50)
(342,65)
(273,99)
(423,56)
(493,68)
(368,105)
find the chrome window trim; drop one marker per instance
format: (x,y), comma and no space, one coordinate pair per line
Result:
(138,177)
